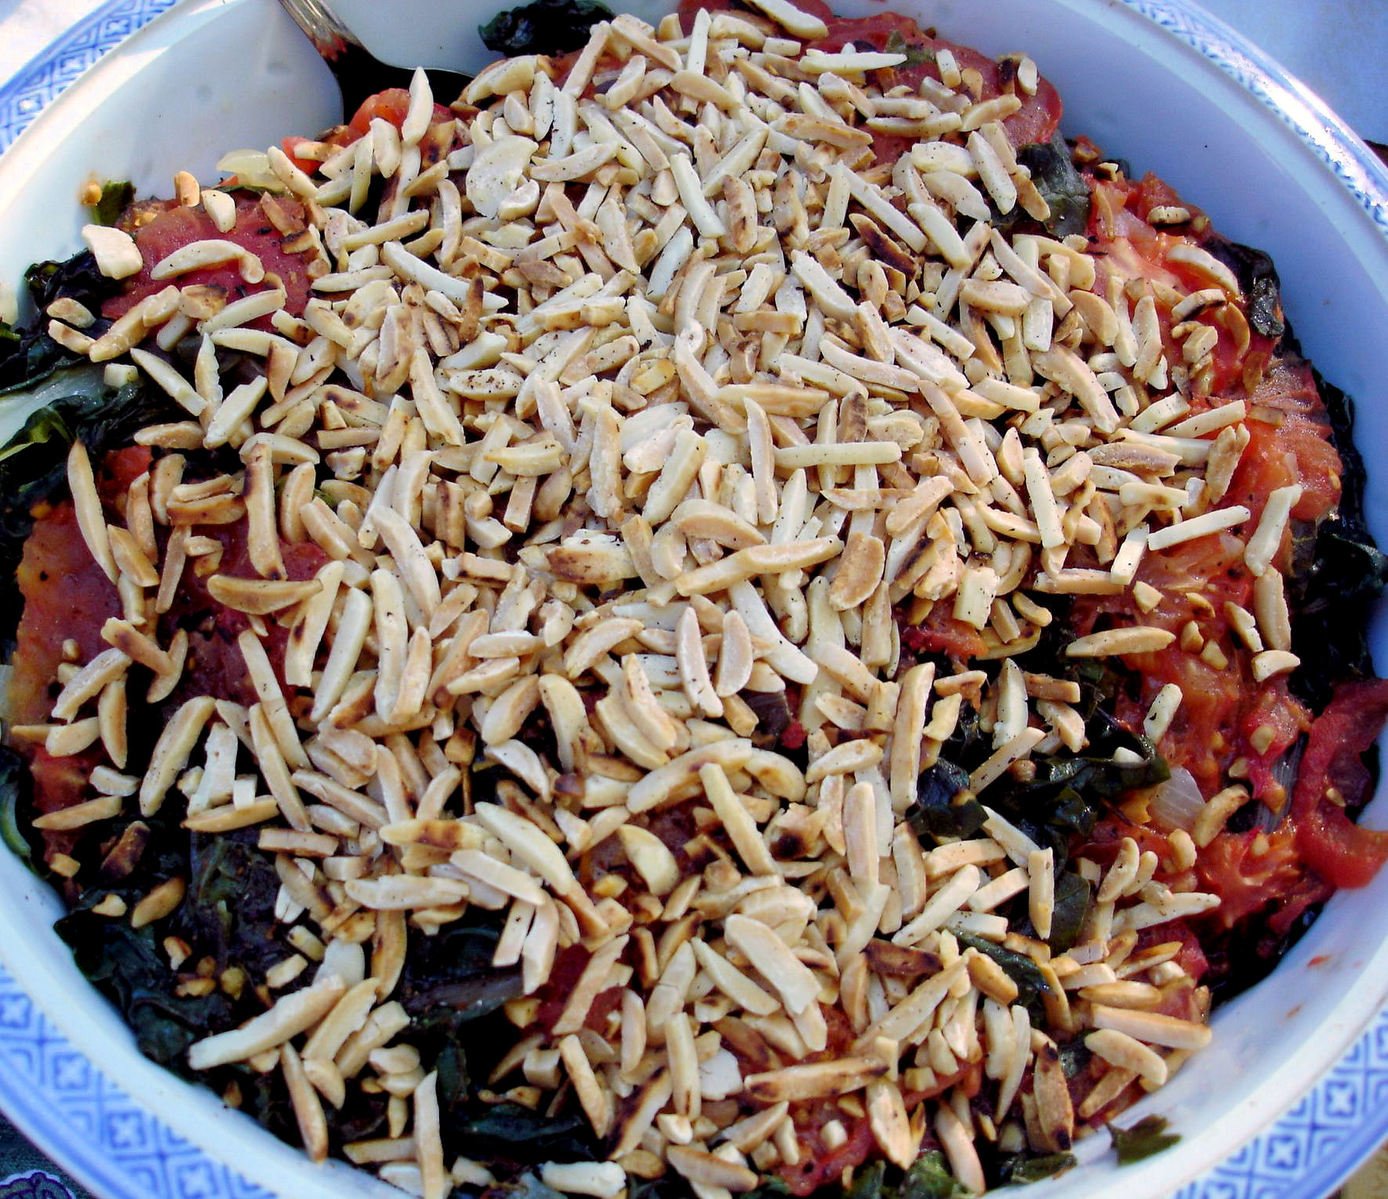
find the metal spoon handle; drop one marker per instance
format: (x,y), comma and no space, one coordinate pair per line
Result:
(358,72)
(328,35)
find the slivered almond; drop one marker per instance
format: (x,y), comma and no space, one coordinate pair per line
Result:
(260,596)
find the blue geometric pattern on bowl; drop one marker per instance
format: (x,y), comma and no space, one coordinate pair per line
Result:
(82,1119)
(48,75)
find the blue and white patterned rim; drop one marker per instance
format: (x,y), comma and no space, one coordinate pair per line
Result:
(62,1102)
(1338,148)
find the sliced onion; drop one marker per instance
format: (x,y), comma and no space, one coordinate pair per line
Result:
(1176,802)
(252,169)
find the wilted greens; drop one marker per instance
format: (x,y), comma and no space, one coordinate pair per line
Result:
(543,27)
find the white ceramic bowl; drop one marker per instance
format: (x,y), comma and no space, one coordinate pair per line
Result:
(216,74)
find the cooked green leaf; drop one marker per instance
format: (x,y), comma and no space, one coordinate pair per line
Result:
(1060,184)
(508,1132)
(1074,1057)
(1022,1170)
(1017,966)
(451,989)
(14,791)
(1340,574)
(945,807)
(869,1183)
(115,199)
(929,1178)
(771,1188)
(543,27)
(1071,907)
(130,967)
(1146,1137)
(1258,280)
(916,54)
(76,278)
(527,1186)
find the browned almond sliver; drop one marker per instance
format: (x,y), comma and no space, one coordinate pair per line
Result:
(260,597)
(815,1080)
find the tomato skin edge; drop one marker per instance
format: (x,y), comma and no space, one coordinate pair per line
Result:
(1340,851)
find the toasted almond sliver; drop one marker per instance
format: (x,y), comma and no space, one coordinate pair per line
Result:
(839,1077)
(260,596)
(291,1015)
(792,19)
(1139,639)
(91,522)
(791,979)
(1152,1028)
(80,814)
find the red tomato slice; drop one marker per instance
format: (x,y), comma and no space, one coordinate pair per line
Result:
(178,226)
(1250,870)
(1336,848)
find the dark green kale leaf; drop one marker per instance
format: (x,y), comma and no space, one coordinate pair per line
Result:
(1071,906)
(1258,280)
(1337,579)
(76,278)
(916,55)
(1338,572)
(27,357)
(27,354)
(116,197)
(774,1187)
(1060,801)
(509,1133)
(543,27)
(1017,966)
(870,1183)
(15,785)
(945,806)
(1096,773)
(228,916)
(229,912)
(1143,1139)
(130,968)
(1020,1170)
(929,1178)
(1060,184)
(454,994)
(1074,1057)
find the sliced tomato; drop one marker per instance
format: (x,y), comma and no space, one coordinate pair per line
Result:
(1289,442)
(1273,719)
(177,226)
(67,595)
(1252,870)
(391,105)
(820,1165)
(940,633)
(1337,849)
(1130,246)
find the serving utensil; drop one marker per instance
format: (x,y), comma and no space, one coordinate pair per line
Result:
(358,72)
